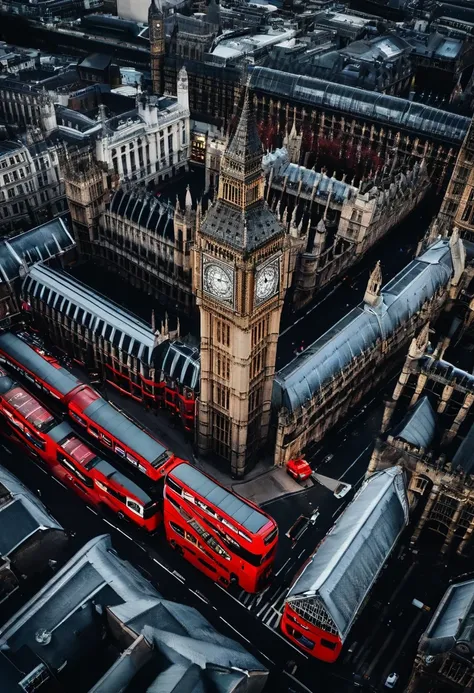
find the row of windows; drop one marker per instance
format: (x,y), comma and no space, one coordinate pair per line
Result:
(260,331)
(222,332)
(221,395)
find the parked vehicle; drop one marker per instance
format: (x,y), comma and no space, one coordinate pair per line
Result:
(391,680)
(299,469)
(342,490)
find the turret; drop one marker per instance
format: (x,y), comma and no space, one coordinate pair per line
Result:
(373,295)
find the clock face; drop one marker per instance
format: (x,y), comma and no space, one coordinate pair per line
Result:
(266,284)
(219,282)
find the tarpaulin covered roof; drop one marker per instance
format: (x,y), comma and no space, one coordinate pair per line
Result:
(359,330)
(344,567)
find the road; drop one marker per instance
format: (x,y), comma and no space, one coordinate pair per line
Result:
(251,619)
(177,580)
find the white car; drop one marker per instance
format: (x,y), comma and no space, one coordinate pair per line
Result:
(391,680)
(342,490)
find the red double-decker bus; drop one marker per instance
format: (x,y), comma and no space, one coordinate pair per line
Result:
(70,459)
(110,427)
(228,538)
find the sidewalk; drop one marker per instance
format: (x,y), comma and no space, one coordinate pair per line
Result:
(263,483)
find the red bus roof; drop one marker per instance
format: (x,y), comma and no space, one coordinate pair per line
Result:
(57,378)
(244,514)
(29,407)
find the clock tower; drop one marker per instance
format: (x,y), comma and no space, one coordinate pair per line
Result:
(156,34)
(241,273)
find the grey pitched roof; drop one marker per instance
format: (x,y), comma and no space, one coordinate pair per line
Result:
(41,243)
(180,362)
(452,624)
(145,210)
(309,178)
(463,460)
(360,329)
(245,142)
(96,61)
(70,297)
(243,513)
(390,110)
(98,594)
(419,425)
(239,229)
(344,567)
(21,516)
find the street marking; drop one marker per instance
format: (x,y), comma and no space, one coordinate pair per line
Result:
(92,511)
(305,688)
(230,595)
(179,576)
(286,641)
(356,460)
(301,554)
(284,564)
(199,596)
(7,450)
(59,482)
(171,572)
(268,658)
(235,630)
(118,529)
(339,509)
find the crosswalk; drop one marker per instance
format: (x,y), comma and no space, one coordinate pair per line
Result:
(266,606)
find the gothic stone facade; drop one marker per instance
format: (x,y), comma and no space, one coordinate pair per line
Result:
(321,385)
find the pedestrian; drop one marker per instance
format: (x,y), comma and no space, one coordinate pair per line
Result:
(38,493)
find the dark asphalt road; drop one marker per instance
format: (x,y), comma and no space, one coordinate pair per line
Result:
(176,579)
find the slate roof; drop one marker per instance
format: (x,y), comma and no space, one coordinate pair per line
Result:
(70,297)
(344,567)
(179,362)
(249,227)
(309,178)
(145,210)
(370,106)
(243,513)
(452,625)
(38,244)
(360,329)
(463,460)
(419,426)
(239,229)
(22,516)
(96,61)
(98,593)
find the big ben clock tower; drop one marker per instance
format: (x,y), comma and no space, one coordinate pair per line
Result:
(156,34)
(241,273)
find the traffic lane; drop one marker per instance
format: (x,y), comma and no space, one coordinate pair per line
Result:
(173,577)
(396,250)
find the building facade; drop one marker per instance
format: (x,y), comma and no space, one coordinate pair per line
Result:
(31,184)
(444,661)
(325,381)
(241,274)
(151,366)
(458,203)
(433,442)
